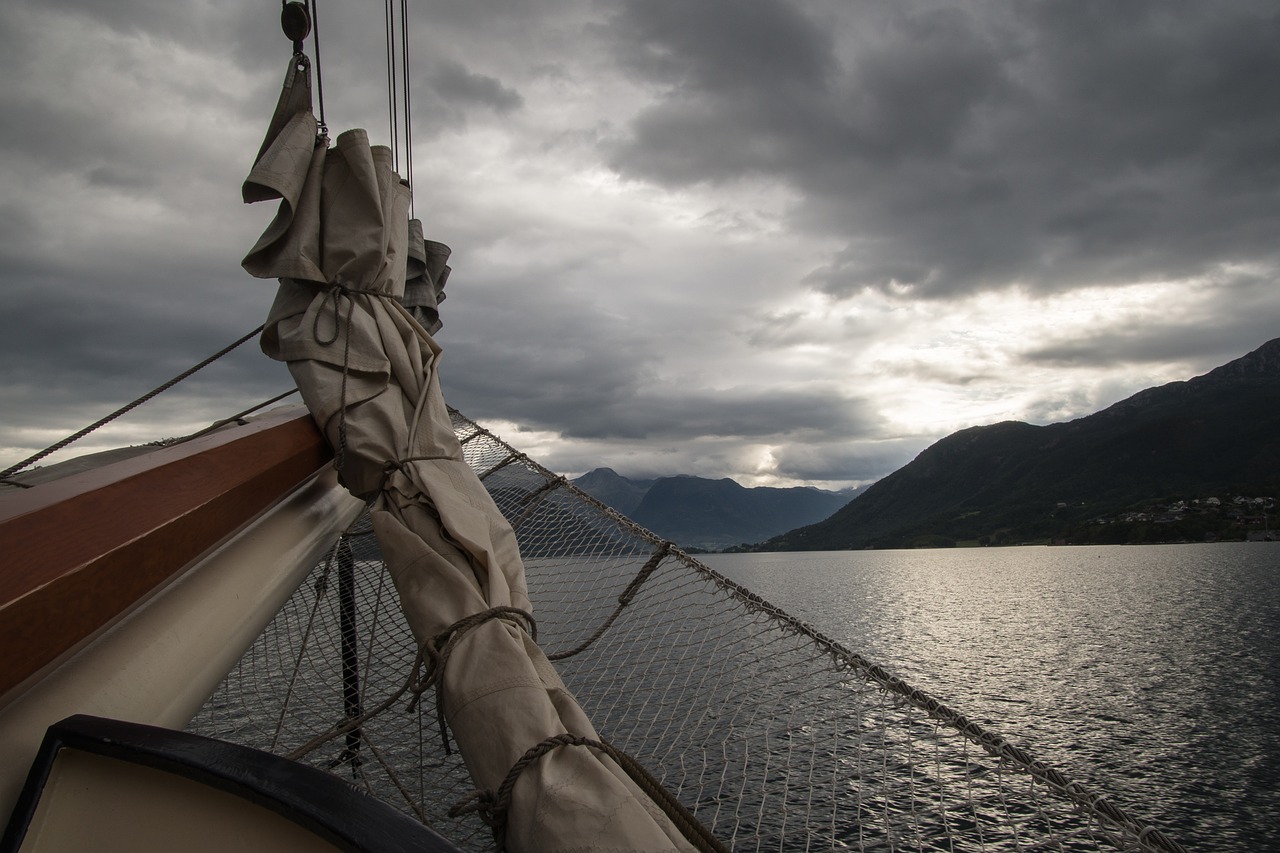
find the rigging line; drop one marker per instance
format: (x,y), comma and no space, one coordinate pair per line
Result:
(386,47)
(408,101)
(315,40)
(30,460)
(321,587)
(237,416)
(392,100)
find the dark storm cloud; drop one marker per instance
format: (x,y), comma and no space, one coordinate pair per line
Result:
(918,148)
(1118,346)
(454,83)
(724,49)
(743,85)
(117,269)
(69,360)
(1209,346)
(1050,145)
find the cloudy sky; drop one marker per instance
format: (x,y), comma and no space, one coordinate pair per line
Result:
(787,241)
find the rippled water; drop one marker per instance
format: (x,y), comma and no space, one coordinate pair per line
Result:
(1150,673)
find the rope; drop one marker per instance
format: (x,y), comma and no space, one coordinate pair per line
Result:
(494,806)
(408,101)
(13,469)
(170,442)
(388,13)
(547,486)
(511,457)
(342,329)
(402,465)
(315,40)
(440,647)
(321,586)
(626,598)
(399,785)
(237,416)
(531,500)
(399,89)
(352,723)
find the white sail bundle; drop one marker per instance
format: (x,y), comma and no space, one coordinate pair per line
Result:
(367,370)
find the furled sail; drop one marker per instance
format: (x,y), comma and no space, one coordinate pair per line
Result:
(342,246)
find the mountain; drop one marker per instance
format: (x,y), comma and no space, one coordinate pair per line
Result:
(607,486)
(696,512)
(1216,434)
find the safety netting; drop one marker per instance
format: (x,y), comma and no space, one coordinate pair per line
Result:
(775,736)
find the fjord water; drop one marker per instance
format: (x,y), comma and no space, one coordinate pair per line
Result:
(1149,673)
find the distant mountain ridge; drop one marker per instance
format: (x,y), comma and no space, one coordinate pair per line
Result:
(609,487)
(1214,433)
(696,512)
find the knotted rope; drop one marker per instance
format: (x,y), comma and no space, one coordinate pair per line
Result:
(342,329)
(493,806)
(436,651)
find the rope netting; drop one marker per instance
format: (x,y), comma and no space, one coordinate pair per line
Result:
(775,736)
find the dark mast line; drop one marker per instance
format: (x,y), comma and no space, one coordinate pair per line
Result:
(399,98)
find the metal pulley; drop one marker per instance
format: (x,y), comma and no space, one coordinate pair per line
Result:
(296,22)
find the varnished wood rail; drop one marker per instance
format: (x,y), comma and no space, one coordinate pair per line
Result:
(79,552)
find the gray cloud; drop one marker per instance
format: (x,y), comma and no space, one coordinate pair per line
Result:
(586,376)
(724,49)
(846,462)
(642,198)
(454,83)
(978,146)
(1217,324)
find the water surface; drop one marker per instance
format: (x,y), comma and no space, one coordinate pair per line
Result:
(1150,673)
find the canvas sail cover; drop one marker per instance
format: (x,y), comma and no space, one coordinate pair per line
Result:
(343,248)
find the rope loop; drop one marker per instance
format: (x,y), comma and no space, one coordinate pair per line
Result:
(478,803)
(628,595)
(335,290)
(435,652)
(494,806)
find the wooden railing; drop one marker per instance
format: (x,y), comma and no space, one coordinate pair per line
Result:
(78,553)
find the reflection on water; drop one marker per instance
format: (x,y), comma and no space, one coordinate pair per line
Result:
(1150,673)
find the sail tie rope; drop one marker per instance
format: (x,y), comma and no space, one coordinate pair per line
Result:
(493,805)
(342,329)
(403,466)
(436,651)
